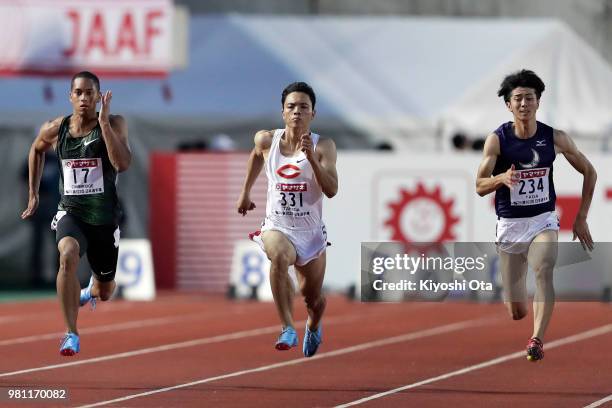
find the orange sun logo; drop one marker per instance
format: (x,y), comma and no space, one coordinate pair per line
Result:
(422,217)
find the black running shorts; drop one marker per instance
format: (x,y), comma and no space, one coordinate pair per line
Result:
(100,242)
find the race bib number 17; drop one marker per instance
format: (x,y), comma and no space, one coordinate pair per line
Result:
(532,188)
(83,176)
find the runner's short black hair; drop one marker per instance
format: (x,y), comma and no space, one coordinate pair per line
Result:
(523,78)
(87,75)
(299,87)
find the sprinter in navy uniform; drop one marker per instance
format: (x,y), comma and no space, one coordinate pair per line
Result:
(518,166)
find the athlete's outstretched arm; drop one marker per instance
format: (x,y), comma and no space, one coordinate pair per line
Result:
(263,140)
(564,144)
(115,134)
(47,137)
(323,164)
(486,184)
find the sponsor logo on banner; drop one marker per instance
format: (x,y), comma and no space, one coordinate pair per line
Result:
(422,216)
(130,37)
(410,207)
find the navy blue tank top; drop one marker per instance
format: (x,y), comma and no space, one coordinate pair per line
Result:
(534,194)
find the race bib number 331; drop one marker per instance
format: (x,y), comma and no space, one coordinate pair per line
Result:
(83,176)
(532,188)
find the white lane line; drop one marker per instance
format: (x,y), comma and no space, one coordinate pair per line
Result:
(359,347)
(174,346)
(107,308)
(20,318)
(135,324)
(553,344)
(600,402)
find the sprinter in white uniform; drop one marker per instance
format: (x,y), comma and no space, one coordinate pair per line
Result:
(301,167)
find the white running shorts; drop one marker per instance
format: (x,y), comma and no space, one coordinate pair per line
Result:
(309,244)
(514,235)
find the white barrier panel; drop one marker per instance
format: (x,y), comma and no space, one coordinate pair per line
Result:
(250,271)
(431,197)
(135,270)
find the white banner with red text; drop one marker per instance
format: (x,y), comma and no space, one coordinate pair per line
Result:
(60,37)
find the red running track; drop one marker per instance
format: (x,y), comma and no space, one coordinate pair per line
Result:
(196,351)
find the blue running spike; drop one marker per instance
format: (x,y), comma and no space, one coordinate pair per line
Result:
(312,340)
(70,345)
(86,297)
(287,339)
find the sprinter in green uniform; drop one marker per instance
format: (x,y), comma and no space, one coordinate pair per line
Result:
(91,148)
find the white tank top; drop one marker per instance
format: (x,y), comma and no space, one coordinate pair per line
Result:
(294,195)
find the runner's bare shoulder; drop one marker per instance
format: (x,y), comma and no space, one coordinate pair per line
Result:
(49,130)
(51,127)
(326,143)
(263,139)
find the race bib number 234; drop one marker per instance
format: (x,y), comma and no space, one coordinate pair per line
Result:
(532,188)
